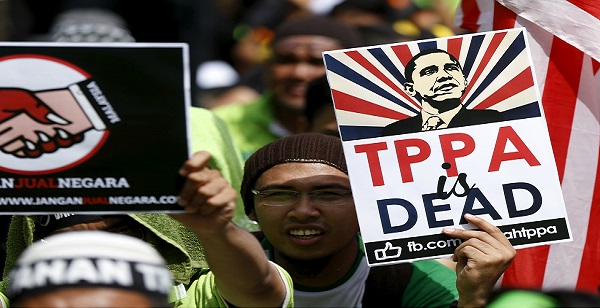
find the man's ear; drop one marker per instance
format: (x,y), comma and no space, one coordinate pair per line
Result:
(408,87)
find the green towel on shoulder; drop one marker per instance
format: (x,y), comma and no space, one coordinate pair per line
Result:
(20,235)
(180,247)
(210,133)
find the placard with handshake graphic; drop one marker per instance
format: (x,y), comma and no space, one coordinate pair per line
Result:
(89,128)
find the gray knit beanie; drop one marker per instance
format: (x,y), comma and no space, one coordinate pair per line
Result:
(299,148)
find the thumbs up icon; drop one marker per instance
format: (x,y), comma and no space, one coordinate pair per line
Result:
(388,252)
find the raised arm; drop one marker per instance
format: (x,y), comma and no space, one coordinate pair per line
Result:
(243,275)
(481,260)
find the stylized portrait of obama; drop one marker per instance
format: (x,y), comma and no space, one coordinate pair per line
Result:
(437,78)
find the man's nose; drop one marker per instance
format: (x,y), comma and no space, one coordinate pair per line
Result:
(304,209)
(307,71)
(444,75)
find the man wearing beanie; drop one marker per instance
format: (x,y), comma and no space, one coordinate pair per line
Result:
(297,188)
(296,59)
(90,269)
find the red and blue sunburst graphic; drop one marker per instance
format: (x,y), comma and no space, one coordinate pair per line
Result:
(367,82)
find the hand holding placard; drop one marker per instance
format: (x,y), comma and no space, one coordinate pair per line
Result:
(480,260)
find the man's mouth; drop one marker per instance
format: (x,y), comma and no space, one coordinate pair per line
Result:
(296,90)
(305,233)
(445,87)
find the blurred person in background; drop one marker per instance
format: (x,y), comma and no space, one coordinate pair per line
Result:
(445,9)
(196,23)
(391,21)
(554,298)
(207,27)
(296,59)
(4,20)
(251,51)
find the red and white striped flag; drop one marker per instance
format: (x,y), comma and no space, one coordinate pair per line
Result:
(564,37)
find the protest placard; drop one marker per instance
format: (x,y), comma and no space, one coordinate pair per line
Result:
(434,129)
(91,127)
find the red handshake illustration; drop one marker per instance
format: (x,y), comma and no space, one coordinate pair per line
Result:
(35,123)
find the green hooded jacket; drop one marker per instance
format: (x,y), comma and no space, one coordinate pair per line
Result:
(250,124)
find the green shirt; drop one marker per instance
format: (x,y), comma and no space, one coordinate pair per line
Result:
(249,124)
(431,284)
(209,133)
(203,292)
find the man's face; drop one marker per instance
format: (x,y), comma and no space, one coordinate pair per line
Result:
(297,60)
(437,78)
(307,231)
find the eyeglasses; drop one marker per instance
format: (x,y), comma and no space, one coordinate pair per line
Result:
(281,197)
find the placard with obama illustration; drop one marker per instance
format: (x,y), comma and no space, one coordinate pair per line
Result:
(91,127)
(435,129)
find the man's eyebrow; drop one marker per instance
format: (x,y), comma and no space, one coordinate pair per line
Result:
(277,186)
(332,186)
(314,187)
(451,65)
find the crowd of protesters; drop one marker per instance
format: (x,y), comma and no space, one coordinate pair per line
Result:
(258,82)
